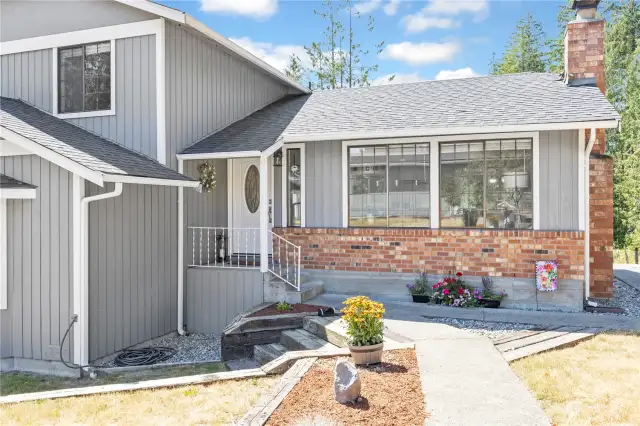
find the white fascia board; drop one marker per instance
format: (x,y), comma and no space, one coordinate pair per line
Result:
(408,133)
(214,155)
(223,41)
(18,193)
(161,99)
(156,9)
(4,294)
(273,148)
(8,149)
(112,32)
(150,181)
(52,156)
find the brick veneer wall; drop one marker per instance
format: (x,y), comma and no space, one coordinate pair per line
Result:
(475,252)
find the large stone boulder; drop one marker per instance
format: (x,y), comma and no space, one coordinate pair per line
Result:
(346,382)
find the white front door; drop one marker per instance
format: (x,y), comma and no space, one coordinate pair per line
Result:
(245,205)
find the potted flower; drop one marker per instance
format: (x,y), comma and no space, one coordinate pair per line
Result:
(363,317)
(453,291)
(490,298)
(420,290)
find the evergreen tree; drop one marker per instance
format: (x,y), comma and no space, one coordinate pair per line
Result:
(556,46)
(525,49)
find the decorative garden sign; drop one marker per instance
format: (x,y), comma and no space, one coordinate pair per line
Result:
(547,275)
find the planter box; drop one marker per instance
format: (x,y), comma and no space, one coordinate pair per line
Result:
(420,298)
(366,355)
(492,304)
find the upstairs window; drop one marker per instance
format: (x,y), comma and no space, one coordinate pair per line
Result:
(84,78)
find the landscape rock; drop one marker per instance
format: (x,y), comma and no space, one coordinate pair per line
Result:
(346,382)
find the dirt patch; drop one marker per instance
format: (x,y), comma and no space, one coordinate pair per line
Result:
(296,308)
(391,394)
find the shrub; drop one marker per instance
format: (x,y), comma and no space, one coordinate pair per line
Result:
(364,321)
(421,286)
(283,307)
(453,291)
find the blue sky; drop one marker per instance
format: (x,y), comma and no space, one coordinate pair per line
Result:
(425,39)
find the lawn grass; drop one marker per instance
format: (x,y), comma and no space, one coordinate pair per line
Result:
(595,382)
(18,382)
(217,403)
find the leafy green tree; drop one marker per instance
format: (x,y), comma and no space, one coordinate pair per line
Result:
(525,50)
(295,70)
(556,45)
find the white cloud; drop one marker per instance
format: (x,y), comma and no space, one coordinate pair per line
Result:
(398,79)
(365,7)
(456,7)
(419,22)
(254,8)
(276,55)
(391,8)
(459,73)
(420,53)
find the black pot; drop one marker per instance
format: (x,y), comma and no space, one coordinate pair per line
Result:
(420,298)
(492,304)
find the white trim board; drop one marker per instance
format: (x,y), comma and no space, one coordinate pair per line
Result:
(214,155)
(506,131)
(8,149)
(303,185)
(150,181)
(18,193)
(4,294)
(82,114)
(112,32)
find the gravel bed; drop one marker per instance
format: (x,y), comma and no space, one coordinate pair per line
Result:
(196,347)
(624,296)
(492,330)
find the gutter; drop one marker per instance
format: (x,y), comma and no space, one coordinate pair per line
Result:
(587,224)
(181,330)
(81,286)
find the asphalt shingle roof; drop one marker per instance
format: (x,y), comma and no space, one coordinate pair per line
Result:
(516,99)
(255,132)
(11,183)
(79,145)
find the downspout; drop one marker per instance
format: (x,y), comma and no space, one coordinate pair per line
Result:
(181,329)
(587,222)
(84,286)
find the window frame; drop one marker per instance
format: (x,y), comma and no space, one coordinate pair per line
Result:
(434,143)
(56,83)
(485,175)
(303,186)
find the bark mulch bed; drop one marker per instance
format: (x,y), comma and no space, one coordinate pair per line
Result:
(296,308)
(391,395)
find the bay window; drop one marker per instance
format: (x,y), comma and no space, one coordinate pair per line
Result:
(487,184)
(389,185)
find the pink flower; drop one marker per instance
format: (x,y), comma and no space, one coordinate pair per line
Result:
(459,274)
(445,291)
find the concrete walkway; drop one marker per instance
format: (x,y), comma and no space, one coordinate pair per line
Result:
(630,274)
(466,381)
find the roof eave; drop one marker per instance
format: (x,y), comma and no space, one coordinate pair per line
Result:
(329,136)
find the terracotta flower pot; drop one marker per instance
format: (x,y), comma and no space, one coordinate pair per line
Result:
(365,355)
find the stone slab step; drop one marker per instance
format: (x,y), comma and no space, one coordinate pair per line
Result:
(536,338)
(330,329)
(267,353)
(553,343)
(300,340)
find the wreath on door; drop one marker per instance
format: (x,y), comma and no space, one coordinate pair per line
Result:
(207,177)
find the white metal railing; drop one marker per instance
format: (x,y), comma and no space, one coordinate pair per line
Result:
(222,247)
(285,260)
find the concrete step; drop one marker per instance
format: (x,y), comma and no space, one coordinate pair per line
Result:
(278,291)
(330,329)
(266,353)
(301,340)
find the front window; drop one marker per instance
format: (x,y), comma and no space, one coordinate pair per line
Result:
(487,184)
(389,186)
(294,187)
(84,78)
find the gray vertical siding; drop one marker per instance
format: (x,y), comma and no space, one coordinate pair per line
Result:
(559,180)
(323,184)
(132,267)
(54,17)
(208,88)
(202,208)
(29,76)
(215,296)
(40,268)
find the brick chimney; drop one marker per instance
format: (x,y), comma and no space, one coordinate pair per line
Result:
(584,65)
